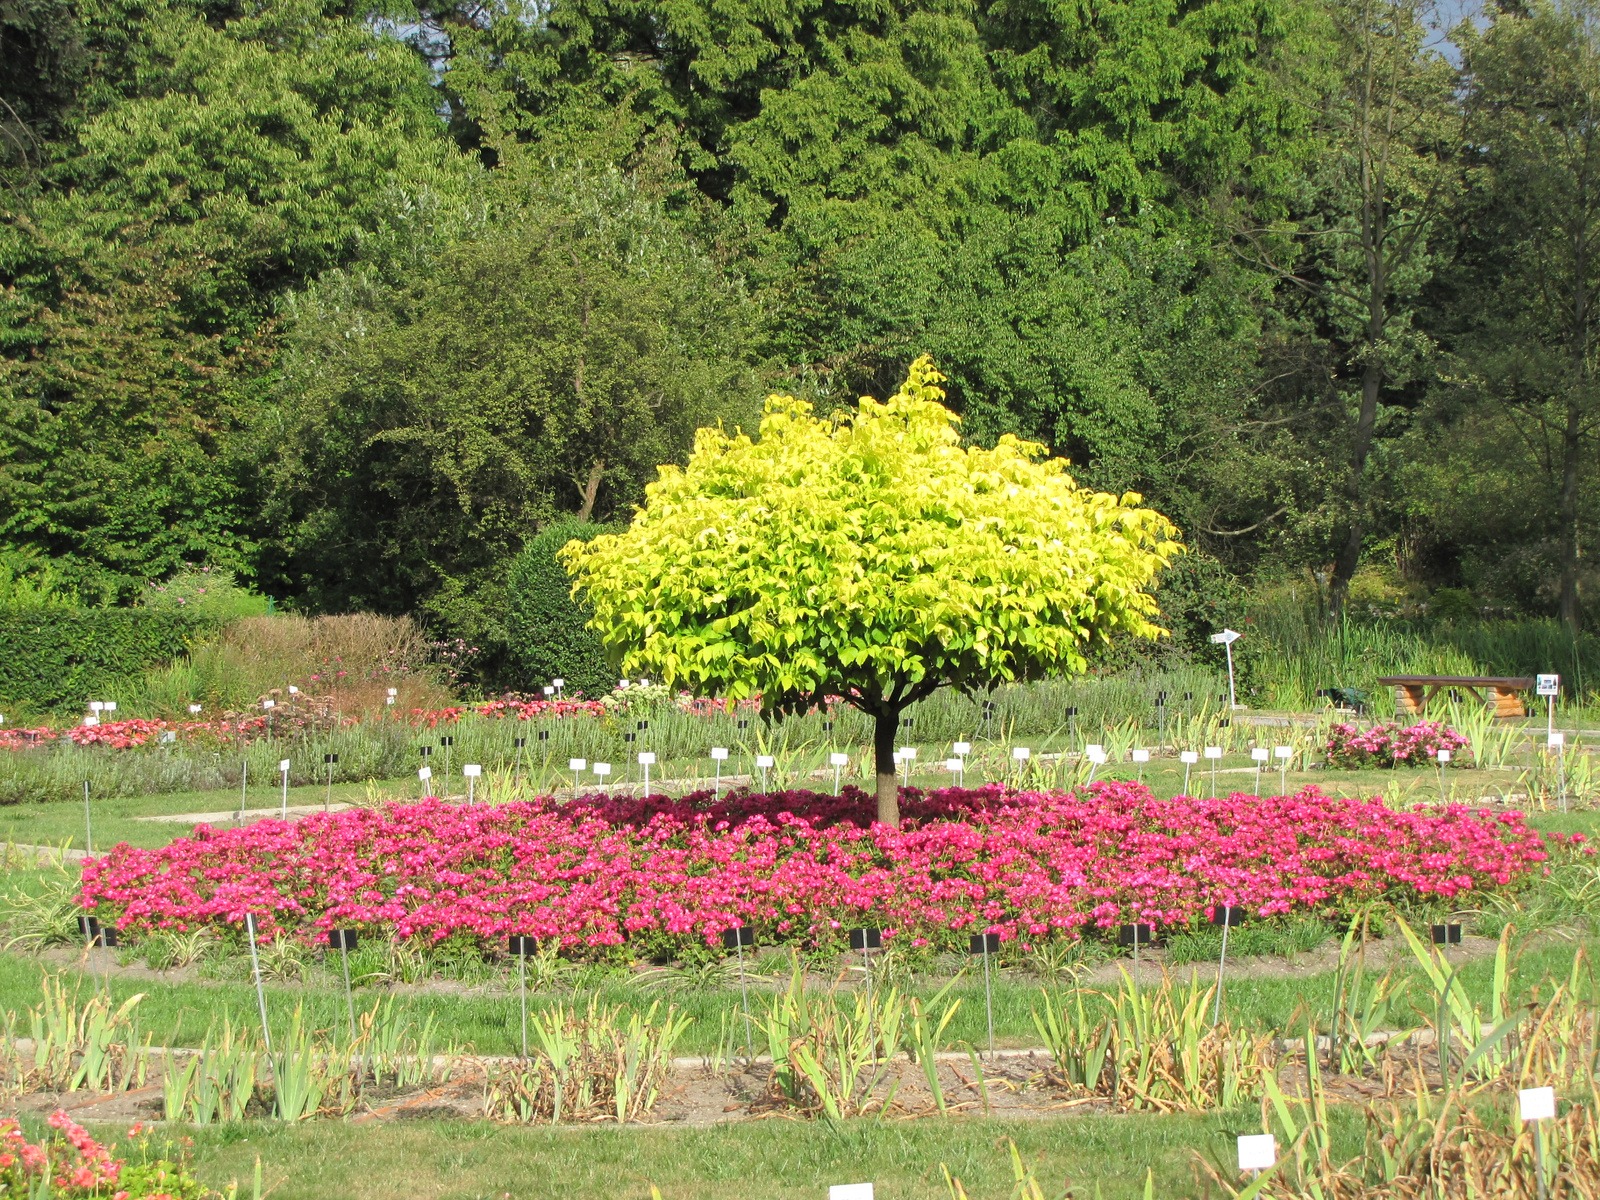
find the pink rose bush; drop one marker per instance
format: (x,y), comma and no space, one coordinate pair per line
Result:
(655,875)
(1391,745)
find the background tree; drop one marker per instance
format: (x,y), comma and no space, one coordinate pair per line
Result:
(1354,257)
(544,361)
(871,557)
(1522,408)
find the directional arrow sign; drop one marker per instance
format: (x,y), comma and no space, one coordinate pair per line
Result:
(1226,638)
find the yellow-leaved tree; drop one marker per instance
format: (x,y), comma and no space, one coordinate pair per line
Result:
(870,556)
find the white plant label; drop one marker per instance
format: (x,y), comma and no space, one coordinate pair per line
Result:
(472,770)
(269,704)
(766,760)
(1021,753)
(952,764)
(962,749)
(1283,752)
(283,765)
(602,769)
(294,691)
(1097,755)
(91,721)
(1141,756)
(1444,756)
(838,760)
(393,692)
(720,753)
(111,706)
(1536,1104)
(194,710)
(1556,740)
(1189,756)
(908,753)
(560,683)
(577,764)
(1257,1152)
(1260,754)
(647,759)
(424,773)
(1226,638)
(1547,685)
(549,691)
(1094,748)
(1213,751)
(95,706)
(850,1191)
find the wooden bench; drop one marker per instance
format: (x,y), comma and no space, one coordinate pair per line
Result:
(1501,693)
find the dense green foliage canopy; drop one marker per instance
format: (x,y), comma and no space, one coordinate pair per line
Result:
(354,301)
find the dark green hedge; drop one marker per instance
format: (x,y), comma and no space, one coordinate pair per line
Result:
(548,638)
(60,658)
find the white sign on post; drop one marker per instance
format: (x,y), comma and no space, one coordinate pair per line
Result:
(283,765)
(1444,756)
(908,753)
(720,753)
(1283,751)
(194,709)
(764,761)
(1021,753)
(962,749)
(1555,740)
(472,770)
(1213,751)
(838,760)
(1257,1152)
(424,773)
(850,1191)
(602,769)
(1096,754)
(1189,756)
(1141,756)
(953,764)
(1226,639)
(648,759)
(1260,754)
(1536,1104)
(577,764)
(1547,685)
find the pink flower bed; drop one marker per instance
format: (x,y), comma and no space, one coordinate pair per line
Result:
(603,872)
(1391,745)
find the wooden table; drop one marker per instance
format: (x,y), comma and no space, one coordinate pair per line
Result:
(1500,692)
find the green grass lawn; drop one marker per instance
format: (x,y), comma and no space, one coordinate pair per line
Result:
(1101,1156)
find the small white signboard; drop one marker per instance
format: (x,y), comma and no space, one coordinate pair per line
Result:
(1536,1104)
(1547,685)
(1257,1152)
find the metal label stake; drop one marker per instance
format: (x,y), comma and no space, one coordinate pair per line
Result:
(255,971)
(244,784)
(344,940)
(283,768)
(986,944)
(88,829)
(520,946)
(1226,916)
(738,938)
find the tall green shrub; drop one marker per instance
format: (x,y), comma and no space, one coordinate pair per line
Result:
(56,659)
(547,627)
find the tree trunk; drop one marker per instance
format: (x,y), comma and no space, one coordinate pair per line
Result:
(591,488)
(886,725)
(1571,445)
